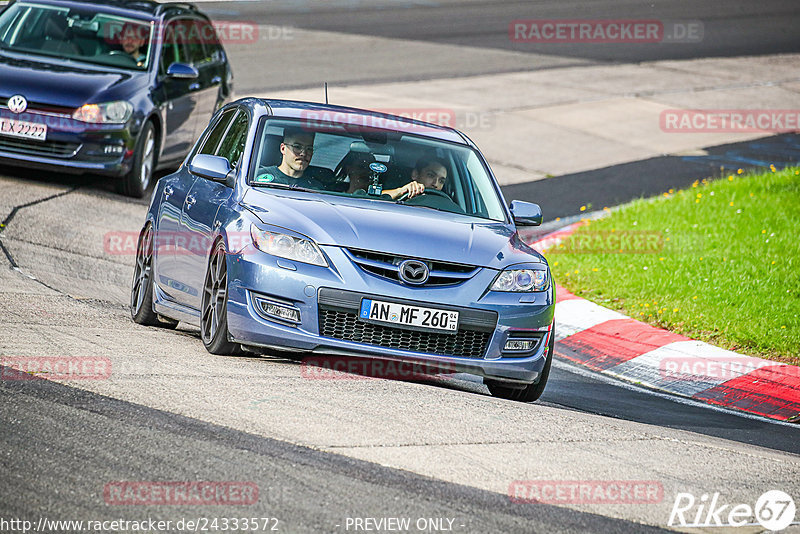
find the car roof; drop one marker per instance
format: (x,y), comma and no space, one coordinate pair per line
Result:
(318,112)
(135,8)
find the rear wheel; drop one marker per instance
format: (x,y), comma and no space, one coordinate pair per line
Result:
(142,285)
(531,392)
(214,305)
(137,181)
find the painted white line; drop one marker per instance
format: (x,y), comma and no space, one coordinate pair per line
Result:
(687,367)
(620,382)
(577,315)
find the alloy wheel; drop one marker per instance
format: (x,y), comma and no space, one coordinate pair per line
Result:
(215,291)
(143,270)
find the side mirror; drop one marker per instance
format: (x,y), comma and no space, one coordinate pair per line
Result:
(214,168)
(526,213)
(182,71)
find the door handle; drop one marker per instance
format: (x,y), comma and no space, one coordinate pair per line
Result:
(194,87)
(215,80)
(190,200)
(168,191)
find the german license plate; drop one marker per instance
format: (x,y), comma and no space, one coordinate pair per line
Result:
(23,129)
(405,315)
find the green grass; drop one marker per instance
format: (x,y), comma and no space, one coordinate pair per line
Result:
(726,268)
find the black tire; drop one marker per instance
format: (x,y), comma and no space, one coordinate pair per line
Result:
(137,181)
(532,392)
(142,284)
(214,305)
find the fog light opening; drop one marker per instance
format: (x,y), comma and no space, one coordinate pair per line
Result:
(281,312)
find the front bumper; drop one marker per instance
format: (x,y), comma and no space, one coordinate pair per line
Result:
(488,319)
(70,146)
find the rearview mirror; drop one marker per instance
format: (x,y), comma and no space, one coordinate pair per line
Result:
(182,71)
(526,213)
(212,167)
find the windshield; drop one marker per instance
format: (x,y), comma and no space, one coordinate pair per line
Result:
(337,159)
(81,35)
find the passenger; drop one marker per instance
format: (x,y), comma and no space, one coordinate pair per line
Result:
(356,168)
(297,149)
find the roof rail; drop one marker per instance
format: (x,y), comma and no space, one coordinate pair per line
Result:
(171,5)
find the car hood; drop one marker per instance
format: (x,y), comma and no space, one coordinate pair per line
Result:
(60,83)
(391,228)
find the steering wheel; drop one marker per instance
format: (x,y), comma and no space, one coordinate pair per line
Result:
(122,53)
(436,192)
(404,196)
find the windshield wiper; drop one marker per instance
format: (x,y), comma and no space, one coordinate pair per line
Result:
(291,187)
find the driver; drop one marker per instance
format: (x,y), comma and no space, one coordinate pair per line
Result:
(132,38)
(430,172)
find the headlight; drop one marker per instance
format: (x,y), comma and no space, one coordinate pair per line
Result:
(520,280)
(109,113)
(287,246)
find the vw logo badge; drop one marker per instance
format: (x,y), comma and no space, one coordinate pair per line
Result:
(413,272)
(17,104)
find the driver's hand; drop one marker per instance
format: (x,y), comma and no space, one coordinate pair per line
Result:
(413,189)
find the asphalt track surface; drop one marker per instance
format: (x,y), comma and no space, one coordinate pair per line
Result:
(740,27)
(306,490)
(49,428)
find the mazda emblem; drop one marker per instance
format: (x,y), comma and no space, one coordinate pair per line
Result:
(17,104)
(413,272)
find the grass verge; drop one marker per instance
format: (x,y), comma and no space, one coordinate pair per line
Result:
(719,262)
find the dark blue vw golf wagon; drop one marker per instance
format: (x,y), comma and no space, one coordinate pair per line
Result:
(119,88)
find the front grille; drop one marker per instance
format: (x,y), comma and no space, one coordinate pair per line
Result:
(386,266)
(346,326)
(49,109)
(338,319)
(55,149)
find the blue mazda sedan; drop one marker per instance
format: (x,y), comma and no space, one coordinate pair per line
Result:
(114,87)
(331,230)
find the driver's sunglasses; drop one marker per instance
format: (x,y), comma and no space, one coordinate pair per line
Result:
(299,149)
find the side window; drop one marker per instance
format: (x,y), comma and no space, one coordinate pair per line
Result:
(233,144)
(170,51)
(213,47)
(211,142)
(192,41)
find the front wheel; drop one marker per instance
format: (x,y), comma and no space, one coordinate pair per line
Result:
(214,305)
(531,392)
(137,181)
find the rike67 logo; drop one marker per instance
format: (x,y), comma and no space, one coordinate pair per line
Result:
(774,510)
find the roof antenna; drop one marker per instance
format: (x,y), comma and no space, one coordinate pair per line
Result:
(326,93)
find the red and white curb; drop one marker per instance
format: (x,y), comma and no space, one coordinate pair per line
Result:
(613,344)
